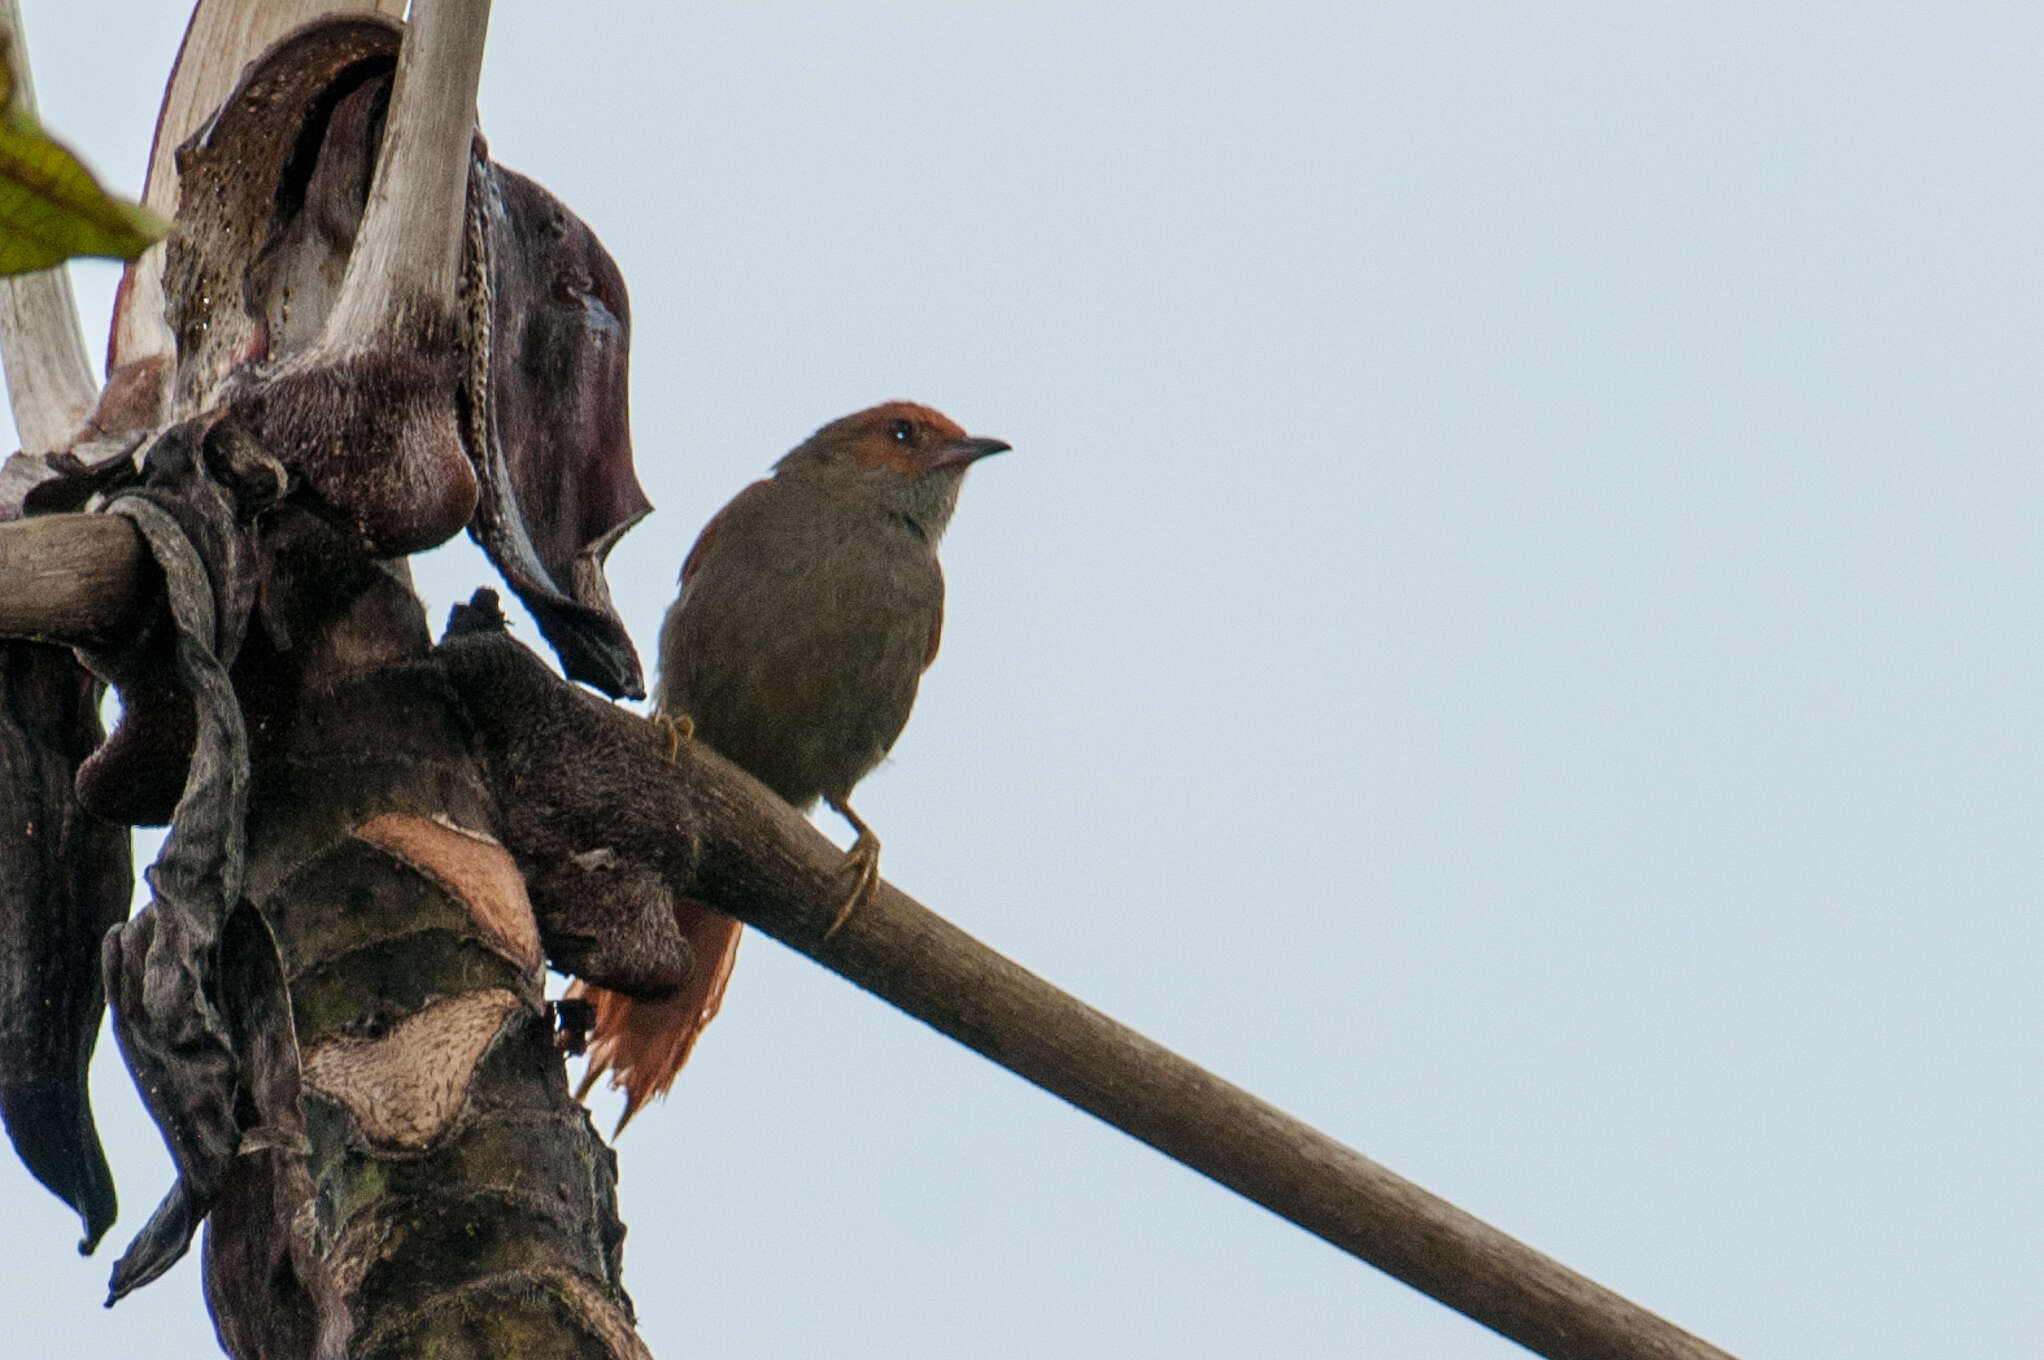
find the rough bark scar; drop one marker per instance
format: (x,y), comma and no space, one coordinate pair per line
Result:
(602,1314)
(473,869)
(406,1088)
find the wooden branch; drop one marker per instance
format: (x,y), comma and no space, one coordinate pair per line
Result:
(77,580)
(408,252)
(575,774)
(50,385)
(221,38)
(764,864)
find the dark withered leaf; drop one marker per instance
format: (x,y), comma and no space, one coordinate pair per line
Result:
(160,967)
(68,880)
(558,486)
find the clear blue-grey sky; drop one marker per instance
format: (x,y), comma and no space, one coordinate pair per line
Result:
(1511,630)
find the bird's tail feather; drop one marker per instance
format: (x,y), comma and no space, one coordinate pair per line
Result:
(643,1044)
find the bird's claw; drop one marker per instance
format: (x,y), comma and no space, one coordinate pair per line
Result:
(679,728)
(863,861)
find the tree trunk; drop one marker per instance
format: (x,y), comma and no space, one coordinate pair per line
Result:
(333,1005)
(449,1198)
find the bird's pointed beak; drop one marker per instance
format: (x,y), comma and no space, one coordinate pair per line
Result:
(964,452)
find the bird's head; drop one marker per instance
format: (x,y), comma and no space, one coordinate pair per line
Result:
(897,437)
(897,451)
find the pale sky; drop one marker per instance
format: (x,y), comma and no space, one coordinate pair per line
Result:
(1511,630)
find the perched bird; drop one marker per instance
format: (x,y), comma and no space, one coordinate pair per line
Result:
(810,607)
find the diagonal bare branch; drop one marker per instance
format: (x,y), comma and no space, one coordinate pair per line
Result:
(765,864)
(564,751)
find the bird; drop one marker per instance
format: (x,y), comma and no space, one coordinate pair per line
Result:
(810,606)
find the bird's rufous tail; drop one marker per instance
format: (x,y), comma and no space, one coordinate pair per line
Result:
(643,1044)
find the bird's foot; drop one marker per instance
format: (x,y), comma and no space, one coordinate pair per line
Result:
(679,728)
(862,862)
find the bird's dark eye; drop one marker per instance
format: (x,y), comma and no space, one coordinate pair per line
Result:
(902,431)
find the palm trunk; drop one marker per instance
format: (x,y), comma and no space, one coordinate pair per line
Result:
(449,1198)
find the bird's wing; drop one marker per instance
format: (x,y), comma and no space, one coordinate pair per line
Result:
(746,498)
(936,625)
(643,1044)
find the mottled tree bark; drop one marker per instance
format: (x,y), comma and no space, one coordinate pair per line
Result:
(448,1197)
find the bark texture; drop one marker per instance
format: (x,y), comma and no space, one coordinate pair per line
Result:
(448,1196)
(333,1004)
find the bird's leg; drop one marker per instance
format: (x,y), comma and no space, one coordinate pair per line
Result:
(679,728)
(863,860)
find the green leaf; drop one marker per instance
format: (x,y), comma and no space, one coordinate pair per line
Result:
(51,208)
